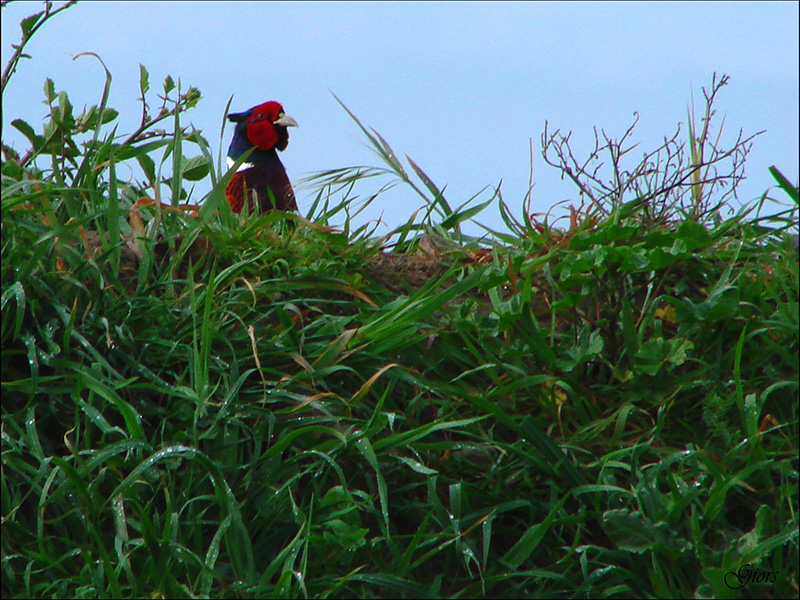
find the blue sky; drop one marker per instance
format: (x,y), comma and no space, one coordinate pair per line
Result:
(459,87)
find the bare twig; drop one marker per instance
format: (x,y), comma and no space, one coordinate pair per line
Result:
(30,25)
(666,181)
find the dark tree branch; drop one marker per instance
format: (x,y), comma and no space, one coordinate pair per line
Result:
(670,181)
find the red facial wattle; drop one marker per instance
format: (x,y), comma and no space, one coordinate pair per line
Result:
(261,129)
(262,134)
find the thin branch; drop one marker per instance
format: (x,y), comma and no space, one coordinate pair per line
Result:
(663,177)
(27,34)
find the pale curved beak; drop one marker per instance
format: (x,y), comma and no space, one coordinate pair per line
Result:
(286,121)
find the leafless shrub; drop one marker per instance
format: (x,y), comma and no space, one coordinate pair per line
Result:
(679,179)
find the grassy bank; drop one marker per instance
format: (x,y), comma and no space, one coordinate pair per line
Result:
(200,404)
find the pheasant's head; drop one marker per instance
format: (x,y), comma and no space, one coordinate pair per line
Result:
(263,126)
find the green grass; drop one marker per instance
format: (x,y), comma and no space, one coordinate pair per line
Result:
(225,406)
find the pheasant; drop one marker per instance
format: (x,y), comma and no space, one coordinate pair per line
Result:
(262,179)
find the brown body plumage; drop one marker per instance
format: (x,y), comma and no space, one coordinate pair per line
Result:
(265,184)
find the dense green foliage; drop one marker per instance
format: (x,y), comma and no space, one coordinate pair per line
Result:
(212,405)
